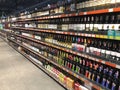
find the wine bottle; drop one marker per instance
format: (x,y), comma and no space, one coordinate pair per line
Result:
(108,52)
(74,43)
(108,83)
(87,20)
(101,23)
(113,52)
(96,24)
(92,19)
(99,45)
(104,81)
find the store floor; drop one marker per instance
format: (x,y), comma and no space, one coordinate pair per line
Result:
(17,73)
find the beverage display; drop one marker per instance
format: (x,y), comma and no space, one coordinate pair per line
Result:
(79,40)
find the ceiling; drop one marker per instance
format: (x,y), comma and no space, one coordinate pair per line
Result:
(10,6)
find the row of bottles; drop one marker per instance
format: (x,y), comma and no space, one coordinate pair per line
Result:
(108,50)
(105,24)
(68,6)
(102,74)
(61,76)
(88,5)
(109,18)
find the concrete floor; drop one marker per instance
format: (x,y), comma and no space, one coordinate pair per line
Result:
(17,73)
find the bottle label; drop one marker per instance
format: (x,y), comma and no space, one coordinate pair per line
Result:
(91,49)
(108,52)
(91,27)
(87,49)
(113,53)
(106,26)
(118,55)
(116,26)
(87,27)
(96,27)
(103,51)
(111,26)
(83,26)
(100,26)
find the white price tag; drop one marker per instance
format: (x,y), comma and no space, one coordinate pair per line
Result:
(103,62)
(89,35)
(93,35)
(110,10)
(71,33)
(82,34)
(118,66)
(85,13)
(76,34)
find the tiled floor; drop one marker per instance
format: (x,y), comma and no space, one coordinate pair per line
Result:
(17,73)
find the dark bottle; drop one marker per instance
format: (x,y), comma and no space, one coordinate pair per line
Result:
(104,80)
(110,72)
(88,44)
(74,43)
(78,66)
(108,51)
(118,58)
(87,19)
(113,86)
(71,59)
(112,20)
(101,23)
(75,62)
(114,49)
(92,46)
(92,19)
(70,41)
(99,45)
(103,49)
(108,83)
(81,46)
(116,75)
(98,79)
(96,24)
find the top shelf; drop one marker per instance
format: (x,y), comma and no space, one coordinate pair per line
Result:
(73,14)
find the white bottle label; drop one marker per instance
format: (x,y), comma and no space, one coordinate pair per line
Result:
(118,55)
(108,52)
(103,51)
(96,27)
(113,53)
(106,26)
(116,26)
(91,27)
(100,26)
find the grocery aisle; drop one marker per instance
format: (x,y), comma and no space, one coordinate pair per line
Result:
(17,73)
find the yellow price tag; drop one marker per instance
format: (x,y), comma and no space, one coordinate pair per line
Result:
(105,36)
(101,36)
(117,37)
(111,37)
(97,36)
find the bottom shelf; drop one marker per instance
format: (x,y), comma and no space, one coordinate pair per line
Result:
(39,65)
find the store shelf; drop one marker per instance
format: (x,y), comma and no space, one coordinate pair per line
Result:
(72,52)
(40,66)
(82,78)
(93,12)
(67,33)
(80,38)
